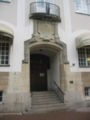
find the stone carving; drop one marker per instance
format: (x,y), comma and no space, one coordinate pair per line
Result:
(46,33)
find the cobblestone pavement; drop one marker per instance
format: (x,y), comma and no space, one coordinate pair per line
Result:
(58,115)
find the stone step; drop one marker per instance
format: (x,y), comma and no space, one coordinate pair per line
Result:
(44,98)
(42,103)
(46,102)
(46,109)
(44,95)
(47,105)
(43,92)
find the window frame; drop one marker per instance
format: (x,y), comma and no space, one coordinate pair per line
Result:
(1,96)
(5,1)
(87,91)
(85,7)
(84,57)
(5,55)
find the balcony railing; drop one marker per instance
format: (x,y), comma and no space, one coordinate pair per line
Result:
(44,11)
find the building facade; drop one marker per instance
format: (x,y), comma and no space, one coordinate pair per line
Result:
(43,44)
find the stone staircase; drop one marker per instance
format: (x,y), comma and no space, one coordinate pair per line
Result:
(45,101)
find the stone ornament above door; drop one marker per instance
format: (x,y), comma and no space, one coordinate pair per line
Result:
(45,31)
(45,34)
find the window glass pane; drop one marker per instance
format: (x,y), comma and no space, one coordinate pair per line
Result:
(82,57)
(4,51)
(50,1)
(82,6)
(5,0)
(88,56)
(1,95)
(87,91)
(77,5)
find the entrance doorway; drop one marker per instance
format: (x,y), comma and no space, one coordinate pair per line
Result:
(39,64)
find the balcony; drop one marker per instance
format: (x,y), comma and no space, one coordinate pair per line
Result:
(45,11)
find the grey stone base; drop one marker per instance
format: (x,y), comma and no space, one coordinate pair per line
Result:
(16,102)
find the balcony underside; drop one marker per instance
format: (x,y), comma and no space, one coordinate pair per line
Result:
(44,16)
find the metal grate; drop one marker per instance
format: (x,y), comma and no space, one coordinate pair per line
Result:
(87,91)
(4,51)
(84,57)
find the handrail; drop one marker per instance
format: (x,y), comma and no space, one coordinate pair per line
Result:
(45,3)
(59,92)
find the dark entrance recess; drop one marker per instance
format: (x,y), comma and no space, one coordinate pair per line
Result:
(39,64)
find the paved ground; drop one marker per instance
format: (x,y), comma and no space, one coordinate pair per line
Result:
(50,116)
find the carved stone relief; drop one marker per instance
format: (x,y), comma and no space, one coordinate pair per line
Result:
(46,33)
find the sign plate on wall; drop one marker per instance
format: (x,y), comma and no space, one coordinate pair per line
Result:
(42,74)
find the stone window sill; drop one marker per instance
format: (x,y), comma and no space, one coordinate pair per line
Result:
(4,65)
(87,97)
(82,13)
(1,103)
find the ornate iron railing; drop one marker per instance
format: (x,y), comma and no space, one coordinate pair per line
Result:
(44,10)
(59,92)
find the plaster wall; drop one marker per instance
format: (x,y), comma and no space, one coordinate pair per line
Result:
(8,12)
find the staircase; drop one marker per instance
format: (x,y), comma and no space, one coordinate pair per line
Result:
(45,101)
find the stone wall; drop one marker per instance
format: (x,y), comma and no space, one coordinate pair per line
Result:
(73,86)
(4,77)
(16,98)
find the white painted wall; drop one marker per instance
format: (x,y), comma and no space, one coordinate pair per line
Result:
(54,72)
(78,23)
(16,15)
(75,24)
(8,12)
(13,15)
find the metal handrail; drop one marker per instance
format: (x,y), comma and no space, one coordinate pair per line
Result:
(59,92)
(50,8)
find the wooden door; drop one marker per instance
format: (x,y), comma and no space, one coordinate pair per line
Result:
(38,73)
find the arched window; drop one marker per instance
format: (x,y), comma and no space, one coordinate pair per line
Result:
(5,43)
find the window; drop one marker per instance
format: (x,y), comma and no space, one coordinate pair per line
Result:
(5,1)
(1,94)
(4,51)
(84,57)
(87,91)
(82,6)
